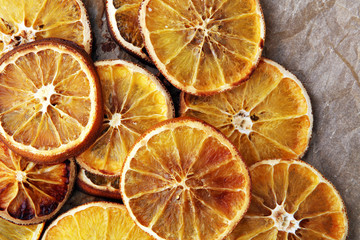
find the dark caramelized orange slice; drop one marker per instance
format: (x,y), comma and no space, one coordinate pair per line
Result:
(31,193)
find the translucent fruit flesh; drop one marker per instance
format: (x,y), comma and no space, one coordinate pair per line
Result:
(11,231)
(269,116)
(291,200)
(195,44)
(183,180)
(94,221)
(134,102)
(25,21)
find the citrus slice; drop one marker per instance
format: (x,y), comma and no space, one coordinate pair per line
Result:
(100,186)
(267,117)
(12,231)
(31,193)
(184,180)
(26,21)
(203,47)
(50,103)
(134,101)
(93,221)
(291,200)
(122,18)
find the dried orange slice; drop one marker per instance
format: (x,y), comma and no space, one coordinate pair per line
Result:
(32,193)
(291,200)
(93,221)
(203,47)
(122,18)
(184,180)
(12,231)
(267,117)
(26,21)
(50,102)
(97,185)
(134,101)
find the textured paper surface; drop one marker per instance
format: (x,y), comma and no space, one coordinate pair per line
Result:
(318,41)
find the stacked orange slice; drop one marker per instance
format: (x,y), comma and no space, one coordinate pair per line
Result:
(122,18)
(11,231)
(291,200)
(203,47)
(269,116)
(184,180)
(50,100)
(32,193)
(134,100)
(93,221)
(26,21)
(98,185)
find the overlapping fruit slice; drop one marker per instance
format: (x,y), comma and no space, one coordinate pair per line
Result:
(93,221)
(184,180)
(203,47)
(24,21)
(291,200)
(50,100)
(134,101)
(12,231)
(97,185)
(122,17)
(32,193)
(267,117)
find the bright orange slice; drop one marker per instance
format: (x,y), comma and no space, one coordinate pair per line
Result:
(184,180)
(93,221)
(122,18)
(267,117)
(12,231)
(100,186)
(134,101)
(203,47)
(50,100)
(291,201)
(24,21)
(31,193)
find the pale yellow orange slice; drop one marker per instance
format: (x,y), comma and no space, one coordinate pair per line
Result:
(94,221)
(203,47)
(122,18)
(134,101)
(12,231)
(31,193)
(267,117)
(291,201)
(50,100)
(184,180)
(23,21)
(97,185)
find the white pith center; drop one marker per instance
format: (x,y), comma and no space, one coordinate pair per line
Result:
(284,221)
(20,176)
(115,121)
(44,94)
(22,35)
(243,122)
(204,26)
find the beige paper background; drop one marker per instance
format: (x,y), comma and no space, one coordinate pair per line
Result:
(319,41)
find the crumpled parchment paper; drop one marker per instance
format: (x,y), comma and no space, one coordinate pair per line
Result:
(318,41)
